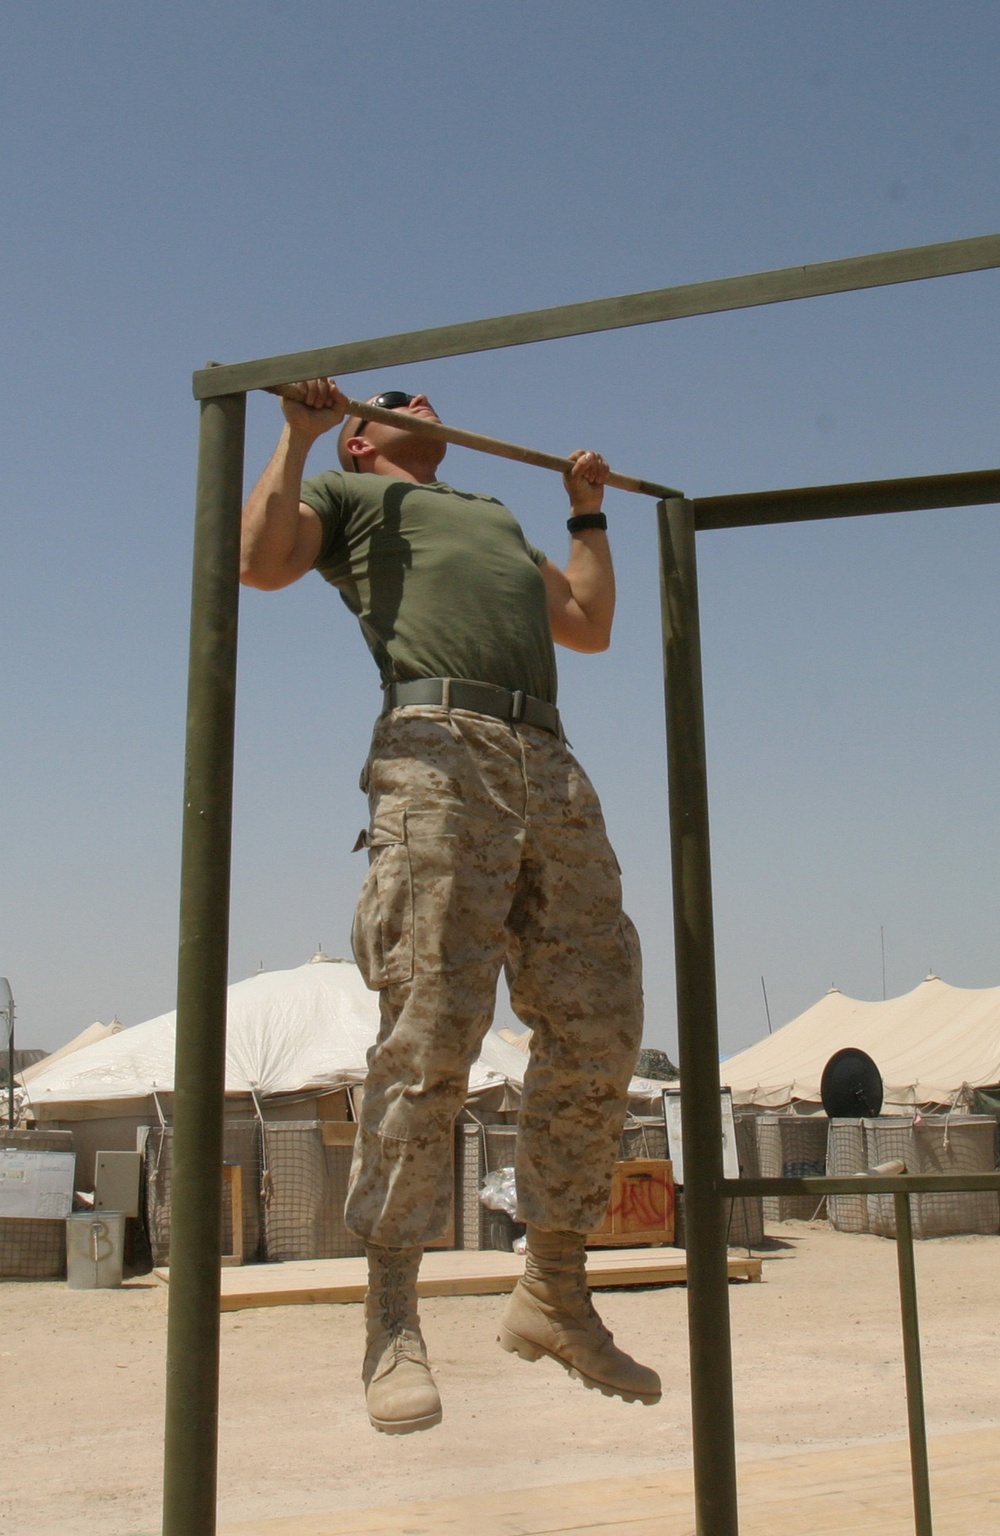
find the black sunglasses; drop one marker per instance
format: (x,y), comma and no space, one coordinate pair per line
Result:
(392,400)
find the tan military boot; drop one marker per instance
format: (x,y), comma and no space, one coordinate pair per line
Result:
(399,1387)
(550,1313)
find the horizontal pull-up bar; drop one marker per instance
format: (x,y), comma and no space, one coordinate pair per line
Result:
(478,441)
(912,264)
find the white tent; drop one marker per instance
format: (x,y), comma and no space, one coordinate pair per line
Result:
(933,1046)
(88,1036)
(287,1032)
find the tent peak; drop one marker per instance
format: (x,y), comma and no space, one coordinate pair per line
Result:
(322,958)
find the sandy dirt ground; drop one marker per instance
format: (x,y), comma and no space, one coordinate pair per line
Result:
(817,1359)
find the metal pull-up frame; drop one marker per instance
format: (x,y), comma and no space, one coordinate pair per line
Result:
(191,1431)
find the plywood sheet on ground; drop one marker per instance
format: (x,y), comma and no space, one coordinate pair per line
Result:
(467,1273)
(856,1490)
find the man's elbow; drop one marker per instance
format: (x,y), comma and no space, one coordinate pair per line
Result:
(590,641)
(598,632)
(264,579)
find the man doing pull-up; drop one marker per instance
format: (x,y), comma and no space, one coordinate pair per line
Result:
(487,847)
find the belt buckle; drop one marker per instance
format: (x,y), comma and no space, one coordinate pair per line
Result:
(517,703)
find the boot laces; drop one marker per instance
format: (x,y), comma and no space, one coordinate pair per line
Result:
(591,1315)
(392,1298)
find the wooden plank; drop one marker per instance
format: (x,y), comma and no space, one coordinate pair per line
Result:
(854,1490)
(232,1174)
(333,1105)
(861,498)
(339,1133)
(911,264)
(483,1273)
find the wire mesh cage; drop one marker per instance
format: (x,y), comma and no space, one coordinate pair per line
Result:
(792,1147)
(926,1144)
(847,1154)
(936,1144)
(33,1247)
(306,1186)
(480,1149)
(241,1144)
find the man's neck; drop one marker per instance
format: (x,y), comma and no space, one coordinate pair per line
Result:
(420,468)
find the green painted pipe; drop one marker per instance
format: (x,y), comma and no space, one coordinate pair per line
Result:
(919,1471)
(698,1031)
(192,1406)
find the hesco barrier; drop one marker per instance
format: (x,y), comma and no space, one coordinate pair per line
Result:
(482,1148)
(240,1144)
(33,1247)
(305,1181)
(846,1153)
(792,1147)
(926,1144)
(293,1194)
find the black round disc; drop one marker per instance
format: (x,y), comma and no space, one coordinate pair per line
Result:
(851,1086)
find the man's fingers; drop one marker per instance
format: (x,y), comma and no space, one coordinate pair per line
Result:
(323,395)
(588,465)
(318,393)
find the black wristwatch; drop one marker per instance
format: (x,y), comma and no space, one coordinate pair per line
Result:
(584,520)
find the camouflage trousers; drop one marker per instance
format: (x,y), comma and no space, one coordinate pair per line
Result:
(487,847)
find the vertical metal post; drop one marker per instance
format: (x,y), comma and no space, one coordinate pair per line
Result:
(9,1010)
(192,1405)
(694,946)
(919,1470)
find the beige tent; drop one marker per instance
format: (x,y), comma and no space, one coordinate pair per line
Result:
(933,1046)
(89,1036)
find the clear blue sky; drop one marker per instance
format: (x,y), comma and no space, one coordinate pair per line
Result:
(187,182)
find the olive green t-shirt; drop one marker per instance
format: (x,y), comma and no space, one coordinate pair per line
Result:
(443,583)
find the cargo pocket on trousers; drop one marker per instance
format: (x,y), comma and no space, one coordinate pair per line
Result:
(382,934)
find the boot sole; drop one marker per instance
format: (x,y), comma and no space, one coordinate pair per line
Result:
(405,1426)
(514,1344)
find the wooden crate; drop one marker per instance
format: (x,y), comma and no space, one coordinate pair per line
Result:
(641,1207)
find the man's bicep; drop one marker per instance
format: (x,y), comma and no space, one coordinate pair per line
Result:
(308,541)
(271,569)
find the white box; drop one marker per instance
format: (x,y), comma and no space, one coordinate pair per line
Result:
(36,1184)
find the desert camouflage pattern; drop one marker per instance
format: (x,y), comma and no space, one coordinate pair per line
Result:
(487,847)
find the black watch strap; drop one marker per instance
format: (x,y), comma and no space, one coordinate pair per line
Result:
(584,520)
